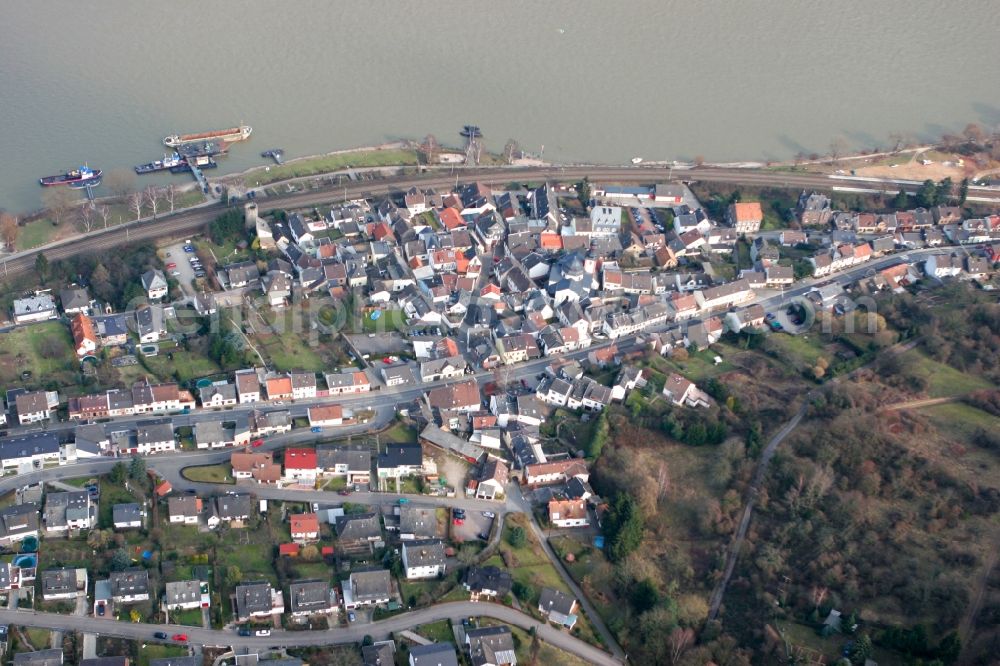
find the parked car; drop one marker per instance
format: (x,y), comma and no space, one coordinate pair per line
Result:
(182,638)
(489,514)
(189,248)
(351,617)
(458,521)
(344,492)
(171,265)
(162,635)
(263,632)
(403,500)
(257,442)
(244,631)
(315,429)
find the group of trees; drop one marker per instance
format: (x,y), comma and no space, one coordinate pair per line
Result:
(228,227)
(114,279)
(623,527)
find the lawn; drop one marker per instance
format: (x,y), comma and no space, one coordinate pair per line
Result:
(401,433)
(209,474)
(291,351)
(41,639)
(53,553)
(799,351)
(327,163)
(152,651)
(181,366)
(391,319)
(224,254)
(44,349)
(439,632)
(189,618)
(38,233)
(943,380)
(111,494)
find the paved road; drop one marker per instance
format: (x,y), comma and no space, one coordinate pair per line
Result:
(354,633)
(183,223)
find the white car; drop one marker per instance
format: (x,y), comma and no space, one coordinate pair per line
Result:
(263,632)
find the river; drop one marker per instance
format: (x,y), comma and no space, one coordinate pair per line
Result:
(103,82)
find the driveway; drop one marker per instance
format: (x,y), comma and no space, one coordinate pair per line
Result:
(475,524)
(175,254)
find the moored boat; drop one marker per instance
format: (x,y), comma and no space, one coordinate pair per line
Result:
(167,162)
(229,135)
(75,177)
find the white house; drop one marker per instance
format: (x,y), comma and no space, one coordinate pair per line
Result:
(423,559)
(155,284)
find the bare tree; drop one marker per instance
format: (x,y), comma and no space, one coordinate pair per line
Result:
(105,213)
(86,216)
(8,230)
(58,201)
(679,641)
(170,194)
(511,150)
(975,133)
(120,182)
(837,148)
(898,140)
(135,204)
(152,197)
(430,148)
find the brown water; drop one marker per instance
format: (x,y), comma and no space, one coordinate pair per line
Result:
(591,81)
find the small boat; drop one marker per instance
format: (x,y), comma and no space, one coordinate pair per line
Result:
(75,177)
(241,133)
(636,160)
(202,163)
(276,154)
(471,131)
(160,165)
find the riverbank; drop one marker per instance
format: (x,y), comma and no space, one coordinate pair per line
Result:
(398,153)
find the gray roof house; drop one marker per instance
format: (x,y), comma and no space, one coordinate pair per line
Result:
(557,607)
(435,654)
(129,586)
(358,527)
(53,657)
(367,587)
(490,646)
(186,594)
(257,599)
(488,581)
(127,516)
(65,583)
(69,510)
(155,283)
(308,597)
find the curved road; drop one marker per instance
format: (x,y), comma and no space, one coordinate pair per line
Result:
(188,221)
(453,611)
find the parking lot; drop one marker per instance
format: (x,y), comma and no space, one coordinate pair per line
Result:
(182,271)
(475,523)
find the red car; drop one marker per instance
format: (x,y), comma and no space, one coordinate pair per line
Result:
(257,442)
(171,265)
(458,521)
(180,637)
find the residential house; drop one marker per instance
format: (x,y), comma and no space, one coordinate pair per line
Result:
(682,391)
(184,509)
(279,388)
(941,266)
(303,385)
(745,217)
(111,329)
(357,528)
(443,368)
(355,464)
(70,510)
(491,646)
(343,383)
(65,583)
(311,597)
(814,209)
(568,513)
(557,471)
(155,284)
(417,522)
(257,466)
(461,396)
(434,654)
(725,295)
(130,586)
(53,657)
(216,396)
(240,275)
(396,375)
(400,460)
(301,466)
(233,509)
(186,595)
(325,416)
(487,582)
(18,522)
(247,386)
(84,337)
(304,527)
(153,437)
(257,601)
(220,433)
(127,516)
(493,479)
(35,406)
(150,326)
(558,607)
(367,588)
(423,559)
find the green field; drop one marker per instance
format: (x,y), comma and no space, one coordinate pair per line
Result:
(44,349)
(155,651)
(327,163)
(209,474)
(943,380)
(291,351)
(182,367)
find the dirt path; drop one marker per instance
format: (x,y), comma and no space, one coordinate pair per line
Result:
(916,404)
(965,627)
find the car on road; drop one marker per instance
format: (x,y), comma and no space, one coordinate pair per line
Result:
(489,514)
(403,500)
(244,631)
(189,249)
(171,265)
(351,617)
(162,635)
(344,492)
(199,274)
(182,638)
(257,442)
(315,429)
(262,632)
